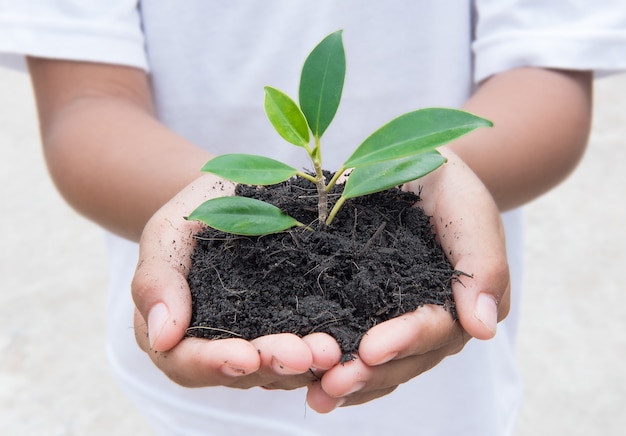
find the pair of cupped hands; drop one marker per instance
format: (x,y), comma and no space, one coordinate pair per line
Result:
(467,225)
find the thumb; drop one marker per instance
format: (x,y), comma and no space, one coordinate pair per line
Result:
(478,251)
(482,291)
(470,230)
(159,287)
(482,298)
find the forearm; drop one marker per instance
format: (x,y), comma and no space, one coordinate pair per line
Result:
(109,157)
(541,121)
(116,165)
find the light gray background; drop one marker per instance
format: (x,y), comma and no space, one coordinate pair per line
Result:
(54,379)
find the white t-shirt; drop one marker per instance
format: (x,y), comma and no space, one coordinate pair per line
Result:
(209,61)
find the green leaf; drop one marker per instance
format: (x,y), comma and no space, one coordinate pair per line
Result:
(413,133)
(286,117)
(243,216)
(249,169)
(321,82)
(384,175)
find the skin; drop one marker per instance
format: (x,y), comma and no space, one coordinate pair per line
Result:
(103,146)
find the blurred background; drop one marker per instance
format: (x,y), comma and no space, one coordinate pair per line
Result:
(54,378)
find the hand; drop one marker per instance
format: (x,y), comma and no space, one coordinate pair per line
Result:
(163,302)
(468,226)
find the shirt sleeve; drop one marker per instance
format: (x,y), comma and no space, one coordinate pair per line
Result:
(93,31)
(567,34)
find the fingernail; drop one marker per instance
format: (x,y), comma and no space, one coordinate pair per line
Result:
(280,368)
(486,312)
(157,317)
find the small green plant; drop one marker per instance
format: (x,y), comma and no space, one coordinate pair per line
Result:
(400,151)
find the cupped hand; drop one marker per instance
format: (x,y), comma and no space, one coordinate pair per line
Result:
(467,224)
(163,311)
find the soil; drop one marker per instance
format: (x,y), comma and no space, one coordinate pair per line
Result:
(378,260)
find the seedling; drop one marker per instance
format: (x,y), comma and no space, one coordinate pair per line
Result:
(400,151)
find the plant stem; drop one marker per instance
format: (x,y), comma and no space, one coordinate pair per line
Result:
(335,209)
(320,183)
(322,205)
(306,176)
(332,182)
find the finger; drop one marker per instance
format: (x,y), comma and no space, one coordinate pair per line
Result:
(469,228)
(159,287)
(195,362)
(283,354)
(364,397)
(481,294)
(483,299)
(414,333)
(284,363)
(325,352)
(355,378)
(319,400)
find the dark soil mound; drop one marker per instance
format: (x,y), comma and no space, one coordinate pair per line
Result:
(377,260)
